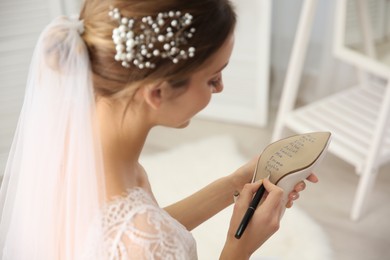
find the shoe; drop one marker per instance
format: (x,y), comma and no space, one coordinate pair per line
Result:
(288,161)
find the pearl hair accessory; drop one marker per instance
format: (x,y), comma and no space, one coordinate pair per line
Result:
(165,36)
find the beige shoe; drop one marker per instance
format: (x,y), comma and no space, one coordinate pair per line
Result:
(286,163)
(291,160)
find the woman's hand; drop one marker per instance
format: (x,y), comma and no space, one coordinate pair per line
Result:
(244,175)
(264,223)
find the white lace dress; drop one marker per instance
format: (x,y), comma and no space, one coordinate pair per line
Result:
(135,227)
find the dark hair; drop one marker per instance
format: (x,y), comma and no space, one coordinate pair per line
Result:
(214,21)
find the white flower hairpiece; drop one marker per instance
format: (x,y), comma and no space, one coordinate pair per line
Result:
(165,36)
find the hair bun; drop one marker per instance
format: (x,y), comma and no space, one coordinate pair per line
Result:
(62,39)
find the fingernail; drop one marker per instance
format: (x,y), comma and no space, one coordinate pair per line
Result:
(294,196)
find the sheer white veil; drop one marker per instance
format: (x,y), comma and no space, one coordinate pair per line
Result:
(53,185)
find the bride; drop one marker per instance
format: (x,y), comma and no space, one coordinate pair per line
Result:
(73,187)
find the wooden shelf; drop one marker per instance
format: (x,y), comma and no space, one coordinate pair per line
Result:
(351,116)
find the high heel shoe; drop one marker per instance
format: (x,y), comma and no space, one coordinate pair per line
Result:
(286,163)
(291,160)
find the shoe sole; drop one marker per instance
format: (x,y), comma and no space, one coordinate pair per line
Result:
(291,160)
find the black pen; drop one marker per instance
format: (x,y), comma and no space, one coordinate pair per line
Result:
(249,213)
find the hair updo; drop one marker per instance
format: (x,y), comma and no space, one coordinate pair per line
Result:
(214,21)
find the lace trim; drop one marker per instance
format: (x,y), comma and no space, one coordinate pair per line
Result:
(135,227)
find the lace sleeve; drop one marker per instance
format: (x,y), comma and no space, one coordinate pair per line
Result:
(137,228)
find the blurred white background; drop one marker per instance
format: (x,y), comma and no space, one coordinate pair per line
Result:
(328,203)
(253,80)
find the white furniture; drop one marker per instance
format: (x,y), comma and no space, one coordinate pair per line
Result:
(357,117)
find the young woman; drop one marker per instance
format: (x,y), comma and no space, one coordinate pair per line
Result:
(73,186)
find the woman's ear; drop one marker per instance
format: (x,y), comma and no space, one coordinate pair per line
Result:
(154,94)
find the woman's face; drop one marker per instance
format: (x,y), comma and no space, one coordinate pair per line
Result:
(203,84)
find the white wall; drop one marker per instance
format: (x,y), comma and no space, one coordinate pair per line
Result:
(20,25)
(246,79)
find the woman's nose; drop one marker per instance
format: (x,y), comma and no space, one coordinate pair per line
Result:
(218,89)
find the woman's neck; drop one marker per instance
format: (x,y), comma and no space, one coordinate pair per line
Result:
(123,134)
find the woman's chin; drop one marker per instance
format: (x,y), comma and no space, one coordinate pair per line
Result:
(184,125)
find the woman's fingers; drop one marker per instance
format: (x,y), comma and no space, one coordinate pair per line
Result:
(289,204)
(294,195)
(250,189)
(312,178)
(246,195)
(300,186)
(274,196)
